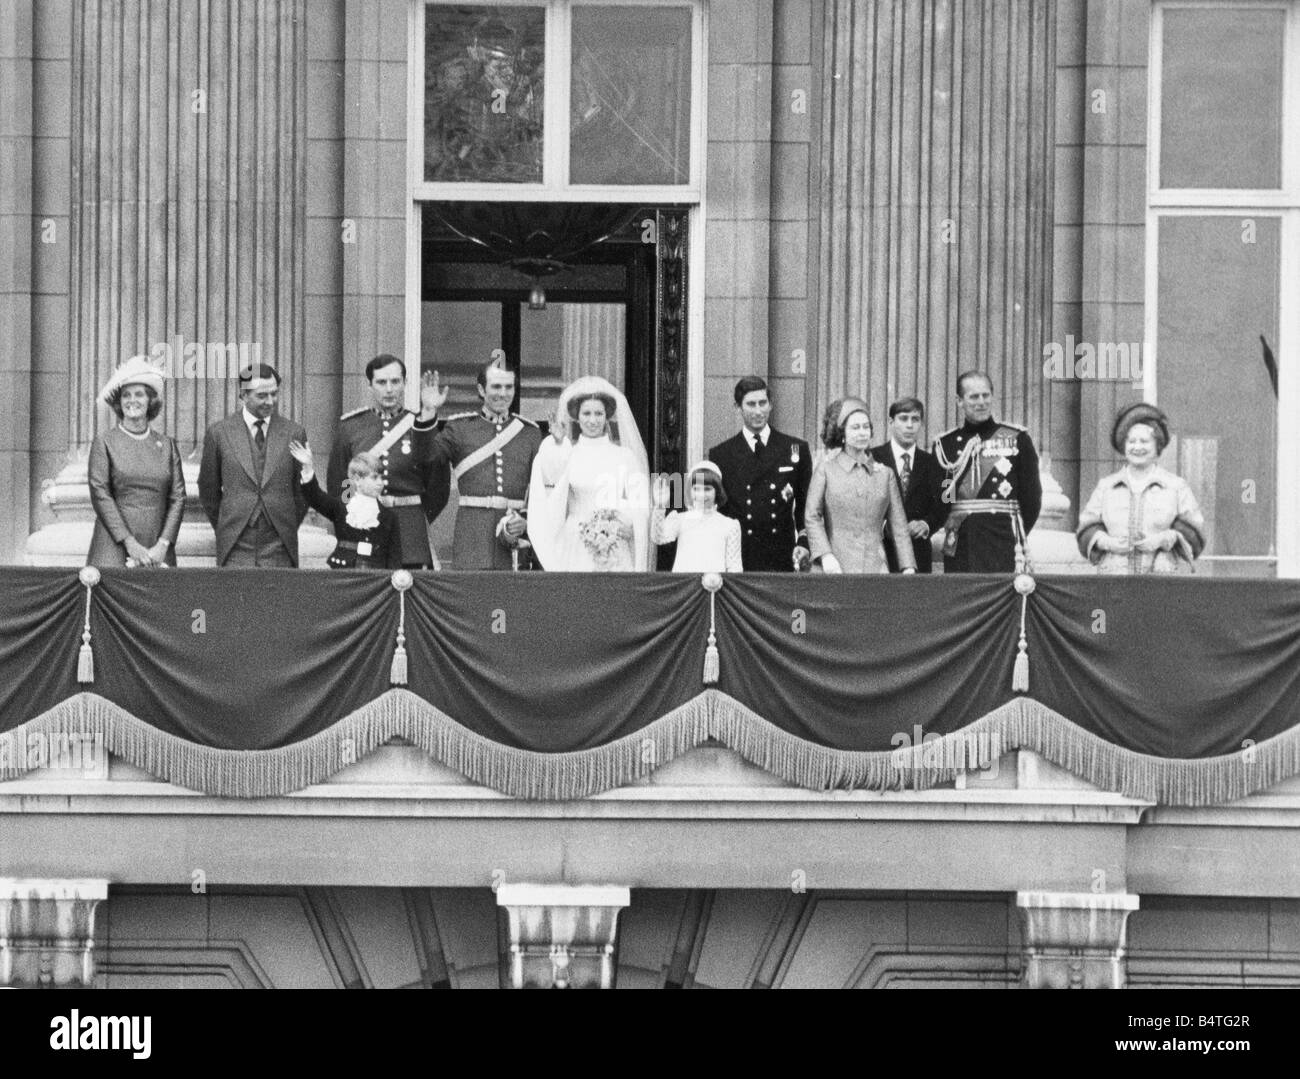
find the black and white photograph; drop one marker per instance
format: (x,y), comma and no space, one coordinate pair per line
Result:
(651,494)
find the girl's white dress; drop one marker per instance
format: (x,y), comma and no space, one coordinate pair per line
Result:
(707,541)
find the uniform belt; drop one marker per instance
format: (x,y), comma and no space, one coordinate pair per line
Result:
(493,502)
(393,501)
(1009,506)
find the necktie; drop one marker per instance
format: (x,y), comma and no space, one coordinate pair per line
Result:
(758,445)
(259,448)
(907,471)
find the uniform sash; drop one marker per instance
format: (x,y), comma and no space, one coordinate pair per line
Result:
(403,425)
(503,438)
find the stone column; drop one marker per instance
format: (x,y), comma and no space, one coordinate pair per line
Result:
(187,219)
(47,932)
(936,200)
(1074,940)
(561,936)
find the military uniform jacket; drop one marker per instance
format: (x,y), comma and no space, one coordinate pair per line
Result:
(502,477)
(1002,468)
(767,494)
(406,468)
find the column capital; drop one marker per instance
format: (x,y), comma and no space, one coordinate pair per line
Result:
(562,936)
(1074,940)
(47,932)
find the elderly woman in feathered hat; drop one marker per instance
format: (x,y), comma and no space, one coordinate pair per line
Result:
(136,484)
(1141,519)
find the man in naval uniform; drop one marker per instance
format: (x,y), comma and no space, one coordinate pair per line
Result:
(414,490)
(992,489)
(490,453)
(765,474)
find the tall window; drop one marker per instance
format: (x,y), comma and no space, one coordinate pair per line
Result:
(562,99)
(1223,254)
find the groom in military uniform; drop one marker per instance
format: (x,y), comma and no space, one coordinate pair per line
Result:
(992,490)
(403,442)
(490,453)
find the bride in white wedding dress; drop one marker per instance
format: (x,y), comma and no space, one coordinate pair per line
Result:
(589,499)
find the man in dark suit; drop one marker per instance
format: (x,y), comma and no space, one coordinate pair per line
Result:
(248,481)
(919,477)
(765,474)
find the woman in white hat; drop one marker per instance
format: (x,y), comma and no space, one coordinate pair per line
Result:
(707,542)
(136,483)
(1141,519)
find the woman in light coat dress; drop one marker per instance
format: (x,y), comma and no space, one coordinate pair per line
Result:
(136,483)
(851,498)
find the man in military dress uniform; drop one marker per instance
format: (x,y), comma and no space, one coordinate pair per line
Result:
(491,457)
(414,490)
(992,489)
(765,474)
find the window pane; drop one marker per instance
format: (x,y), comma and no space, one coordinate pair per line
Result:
(630,103)
(1221,98)
(483,93)
(1218,295)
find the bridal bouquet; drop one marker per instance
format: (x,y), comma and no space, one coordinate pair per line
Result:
(602,534)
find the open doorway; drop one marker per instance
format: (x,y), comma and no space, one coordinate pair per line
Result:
(559,291)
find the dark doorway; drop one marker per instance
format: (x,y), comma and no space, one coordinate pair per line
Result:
(613,281)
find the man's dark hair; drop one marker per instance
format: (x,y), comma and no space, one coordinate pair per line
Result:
(259,370)
(481,377)
(747,385)
(907,404)
(380,362)
(961,380)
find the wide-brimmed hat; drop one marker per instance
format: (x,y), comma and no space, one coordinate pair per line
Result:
(137,371)
(1140,413)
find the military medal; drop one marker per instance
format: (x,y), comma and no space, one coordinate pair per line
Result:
(794,453)
(1003,465)
(406,445)
(1004,488)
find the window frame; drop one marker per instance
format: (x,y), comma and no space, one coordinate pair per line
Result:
(555,115)
(1282,203)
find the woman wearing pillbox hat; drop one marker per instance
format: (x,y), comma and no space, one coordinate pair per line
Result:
(136,483)
(1141,519)
(707,542)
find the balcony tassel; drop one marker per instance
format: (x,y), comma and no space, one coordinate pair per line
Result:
(711,582)
(402,580)
(1024,585)
(89,576)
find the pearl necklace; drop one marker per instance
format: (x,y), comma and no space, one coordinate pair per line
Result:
(138,437)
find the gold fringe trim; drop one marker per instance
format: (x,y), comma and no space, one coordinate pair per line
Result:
(1022,723)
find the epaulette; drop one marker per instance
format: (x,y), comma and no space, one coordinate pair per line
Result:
(950,431)
(461,416)
(1014,426)
(354,412)
(523,419)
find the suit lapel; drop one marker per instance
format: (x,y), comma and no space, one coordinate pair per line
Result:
(277,445)
(237,433)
